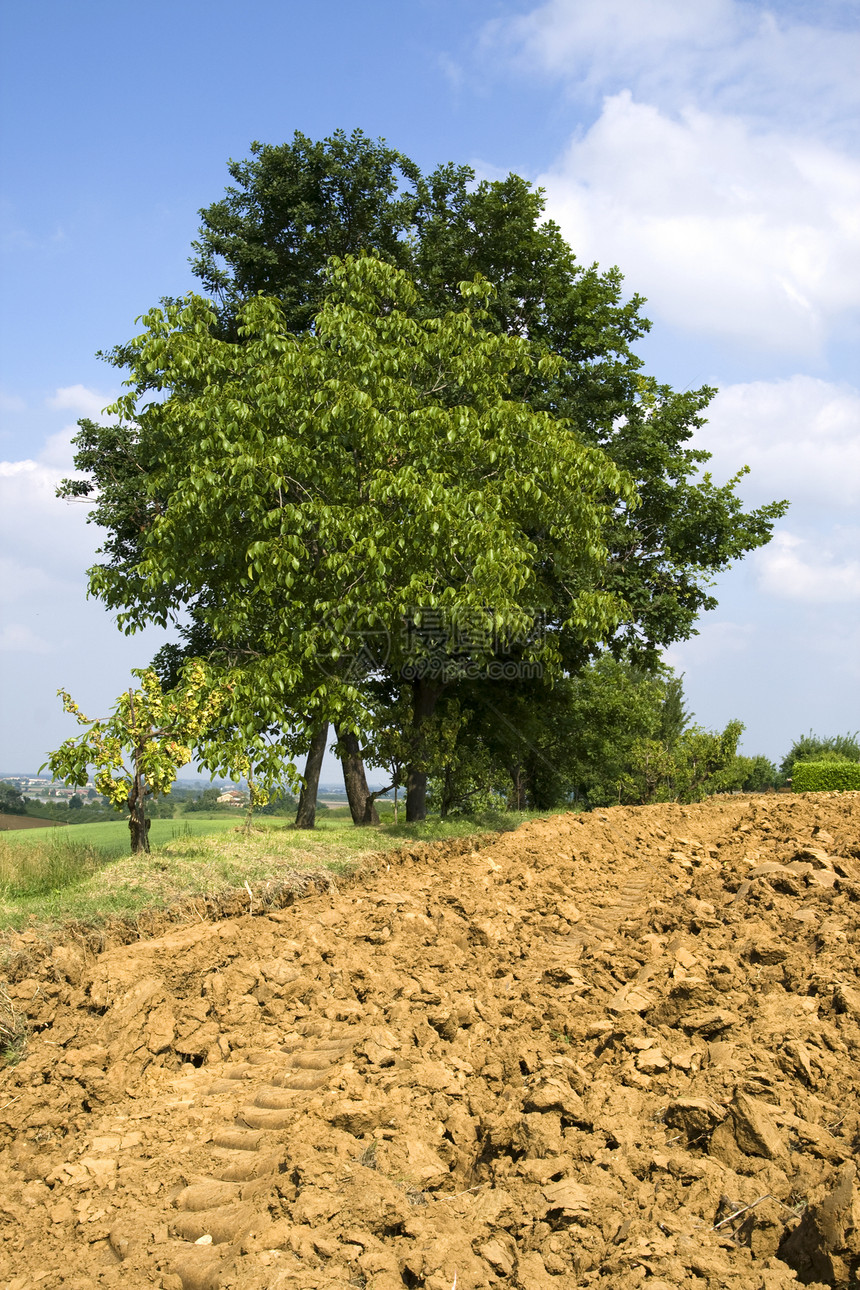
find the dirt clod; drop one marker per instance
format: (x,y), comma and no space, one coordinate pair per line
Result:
(613,1051)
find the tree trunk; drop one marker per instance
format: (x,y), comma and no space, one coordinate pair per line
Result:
(371,814)
(517,798)
(139,834)
(362,804)
(138,824)
(447,794)
(307,813)
(424,699)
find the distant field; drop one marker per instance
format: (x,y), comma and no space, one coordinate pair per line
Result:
(112,835)
(11,823)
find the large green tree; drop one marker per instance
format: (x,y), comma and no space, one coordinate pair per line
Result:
(294,204)
(289,209)
(317,494)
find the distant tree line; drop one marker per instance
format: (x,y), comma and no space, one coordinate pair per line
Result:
(612,734)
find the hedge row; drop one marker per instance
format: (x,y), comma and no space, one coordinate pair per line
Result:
(825,776)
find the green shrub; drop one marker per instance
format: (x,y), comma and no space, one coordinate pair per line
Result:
(815,748)
(825,776)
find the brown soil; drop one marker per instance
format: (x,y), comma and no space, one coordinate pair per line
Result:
(9,822)
(617,1050)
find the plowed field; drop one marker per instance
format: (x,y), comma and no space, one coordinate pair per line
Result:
(8,823)
(613,1050)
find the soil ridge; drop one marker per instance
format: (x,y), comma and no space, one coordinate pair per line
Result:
(613,1050)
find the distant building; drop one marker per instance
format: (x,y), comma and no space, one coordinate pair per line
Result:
(232,797)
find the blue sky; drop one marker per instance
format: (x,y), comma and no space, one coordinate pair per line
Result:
(709,150)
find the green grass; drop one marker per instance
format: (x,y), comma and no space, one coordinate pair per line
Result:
(85,873)
(111,836)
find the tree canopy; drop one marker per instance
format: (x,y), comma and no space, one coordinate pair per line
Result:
(312,496)
(11,800)
(447,416)
(137,750)
(294,204)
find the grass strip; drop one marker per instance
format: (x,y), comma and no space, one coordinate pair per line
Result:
(111,836)
(62,880)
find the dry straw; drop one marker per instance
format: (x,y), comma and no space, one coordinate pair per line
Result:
(11,1026)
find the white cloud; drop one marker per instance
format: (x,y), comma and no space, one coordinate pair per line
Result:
(37,530)
(715,161)
(18,638)
(745,235)
(800,437)
(9,469)
(58,453)
(52,633)
(719,172)
(78,398)
(729,55)
(815,571)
